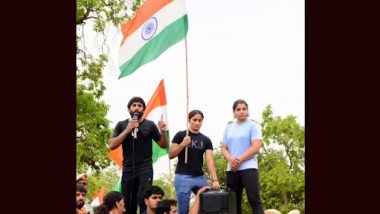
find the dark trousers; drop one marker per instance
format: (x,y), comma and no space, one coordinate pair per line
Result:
(133,187)
(248,179)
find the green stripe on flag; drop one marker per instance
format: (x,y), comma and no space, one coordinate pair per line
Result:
(117,186)
(157,151)
(172,34)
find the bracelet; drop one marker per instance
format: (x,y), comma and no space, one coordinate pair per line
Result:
(214,180)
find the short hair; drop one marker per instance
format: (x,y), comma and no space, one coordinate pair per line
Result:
(81,188)
(194,112)
(165,206)
(154,190)
(239,101)
(136,100)
(109,202)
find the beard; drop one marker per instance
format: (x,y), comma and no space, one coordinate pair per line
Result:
(139,114)
(80,203)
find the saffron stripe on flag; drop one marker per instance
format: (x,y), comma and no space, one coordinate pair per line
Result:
(164,17)
(156,110)
(148,9)
(116,156)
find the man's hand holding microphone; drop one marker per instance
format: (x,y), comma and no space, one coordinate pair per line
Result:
(133,124)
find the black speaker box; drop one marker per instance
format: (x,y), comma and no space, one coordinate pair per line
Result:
(218,202)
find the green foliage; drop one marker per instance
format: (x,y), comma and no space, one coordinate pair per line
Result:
(92,132)
(90,76)
(92,127)
(281,163)
(104,11)
(104,178)
(220,165)
(98,13)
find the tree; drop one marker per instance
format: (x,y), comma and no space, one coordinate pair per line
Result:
(281,162)
(92,132)
(98,14)
(92,127)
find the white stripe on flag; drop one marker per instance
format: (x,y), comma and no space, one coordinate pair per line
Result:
(165,17)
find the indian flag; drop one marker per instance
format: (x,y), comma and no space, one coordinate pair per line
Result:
(98,197)
(157,25)
(155,110)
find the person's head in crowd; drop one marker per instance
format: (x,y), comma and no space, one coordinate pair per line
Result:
(272,211)
(167,206)
(113,202)
(80,196)
(152,197)
(83,179)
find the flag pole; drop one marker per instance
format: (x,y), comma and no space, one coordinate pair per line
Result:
(187,97)
(170,179)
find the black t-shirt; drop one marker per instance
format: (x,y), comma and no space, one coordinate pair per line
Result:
(199,144)
(139,150)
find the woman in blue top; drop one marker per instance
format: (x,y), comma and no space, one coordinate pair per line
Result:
(189,176)
(241,142)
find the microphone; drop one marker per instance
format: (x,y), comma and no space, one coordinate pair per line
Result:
(135,117)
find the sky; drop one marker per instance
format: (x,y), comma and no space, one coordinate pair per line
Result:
(242,49)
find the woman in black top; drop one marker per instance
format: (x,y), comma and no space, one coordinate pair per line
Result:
(189,176)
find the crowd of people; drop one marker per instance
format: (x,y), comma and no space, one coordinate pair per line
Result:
(242,140)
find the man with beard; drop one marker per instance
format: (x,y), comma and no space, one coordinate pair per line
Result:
(83,180)
(135,135)
(80,201)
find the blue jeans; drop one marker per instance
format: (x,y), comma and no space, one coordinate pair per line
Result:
(184,185)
